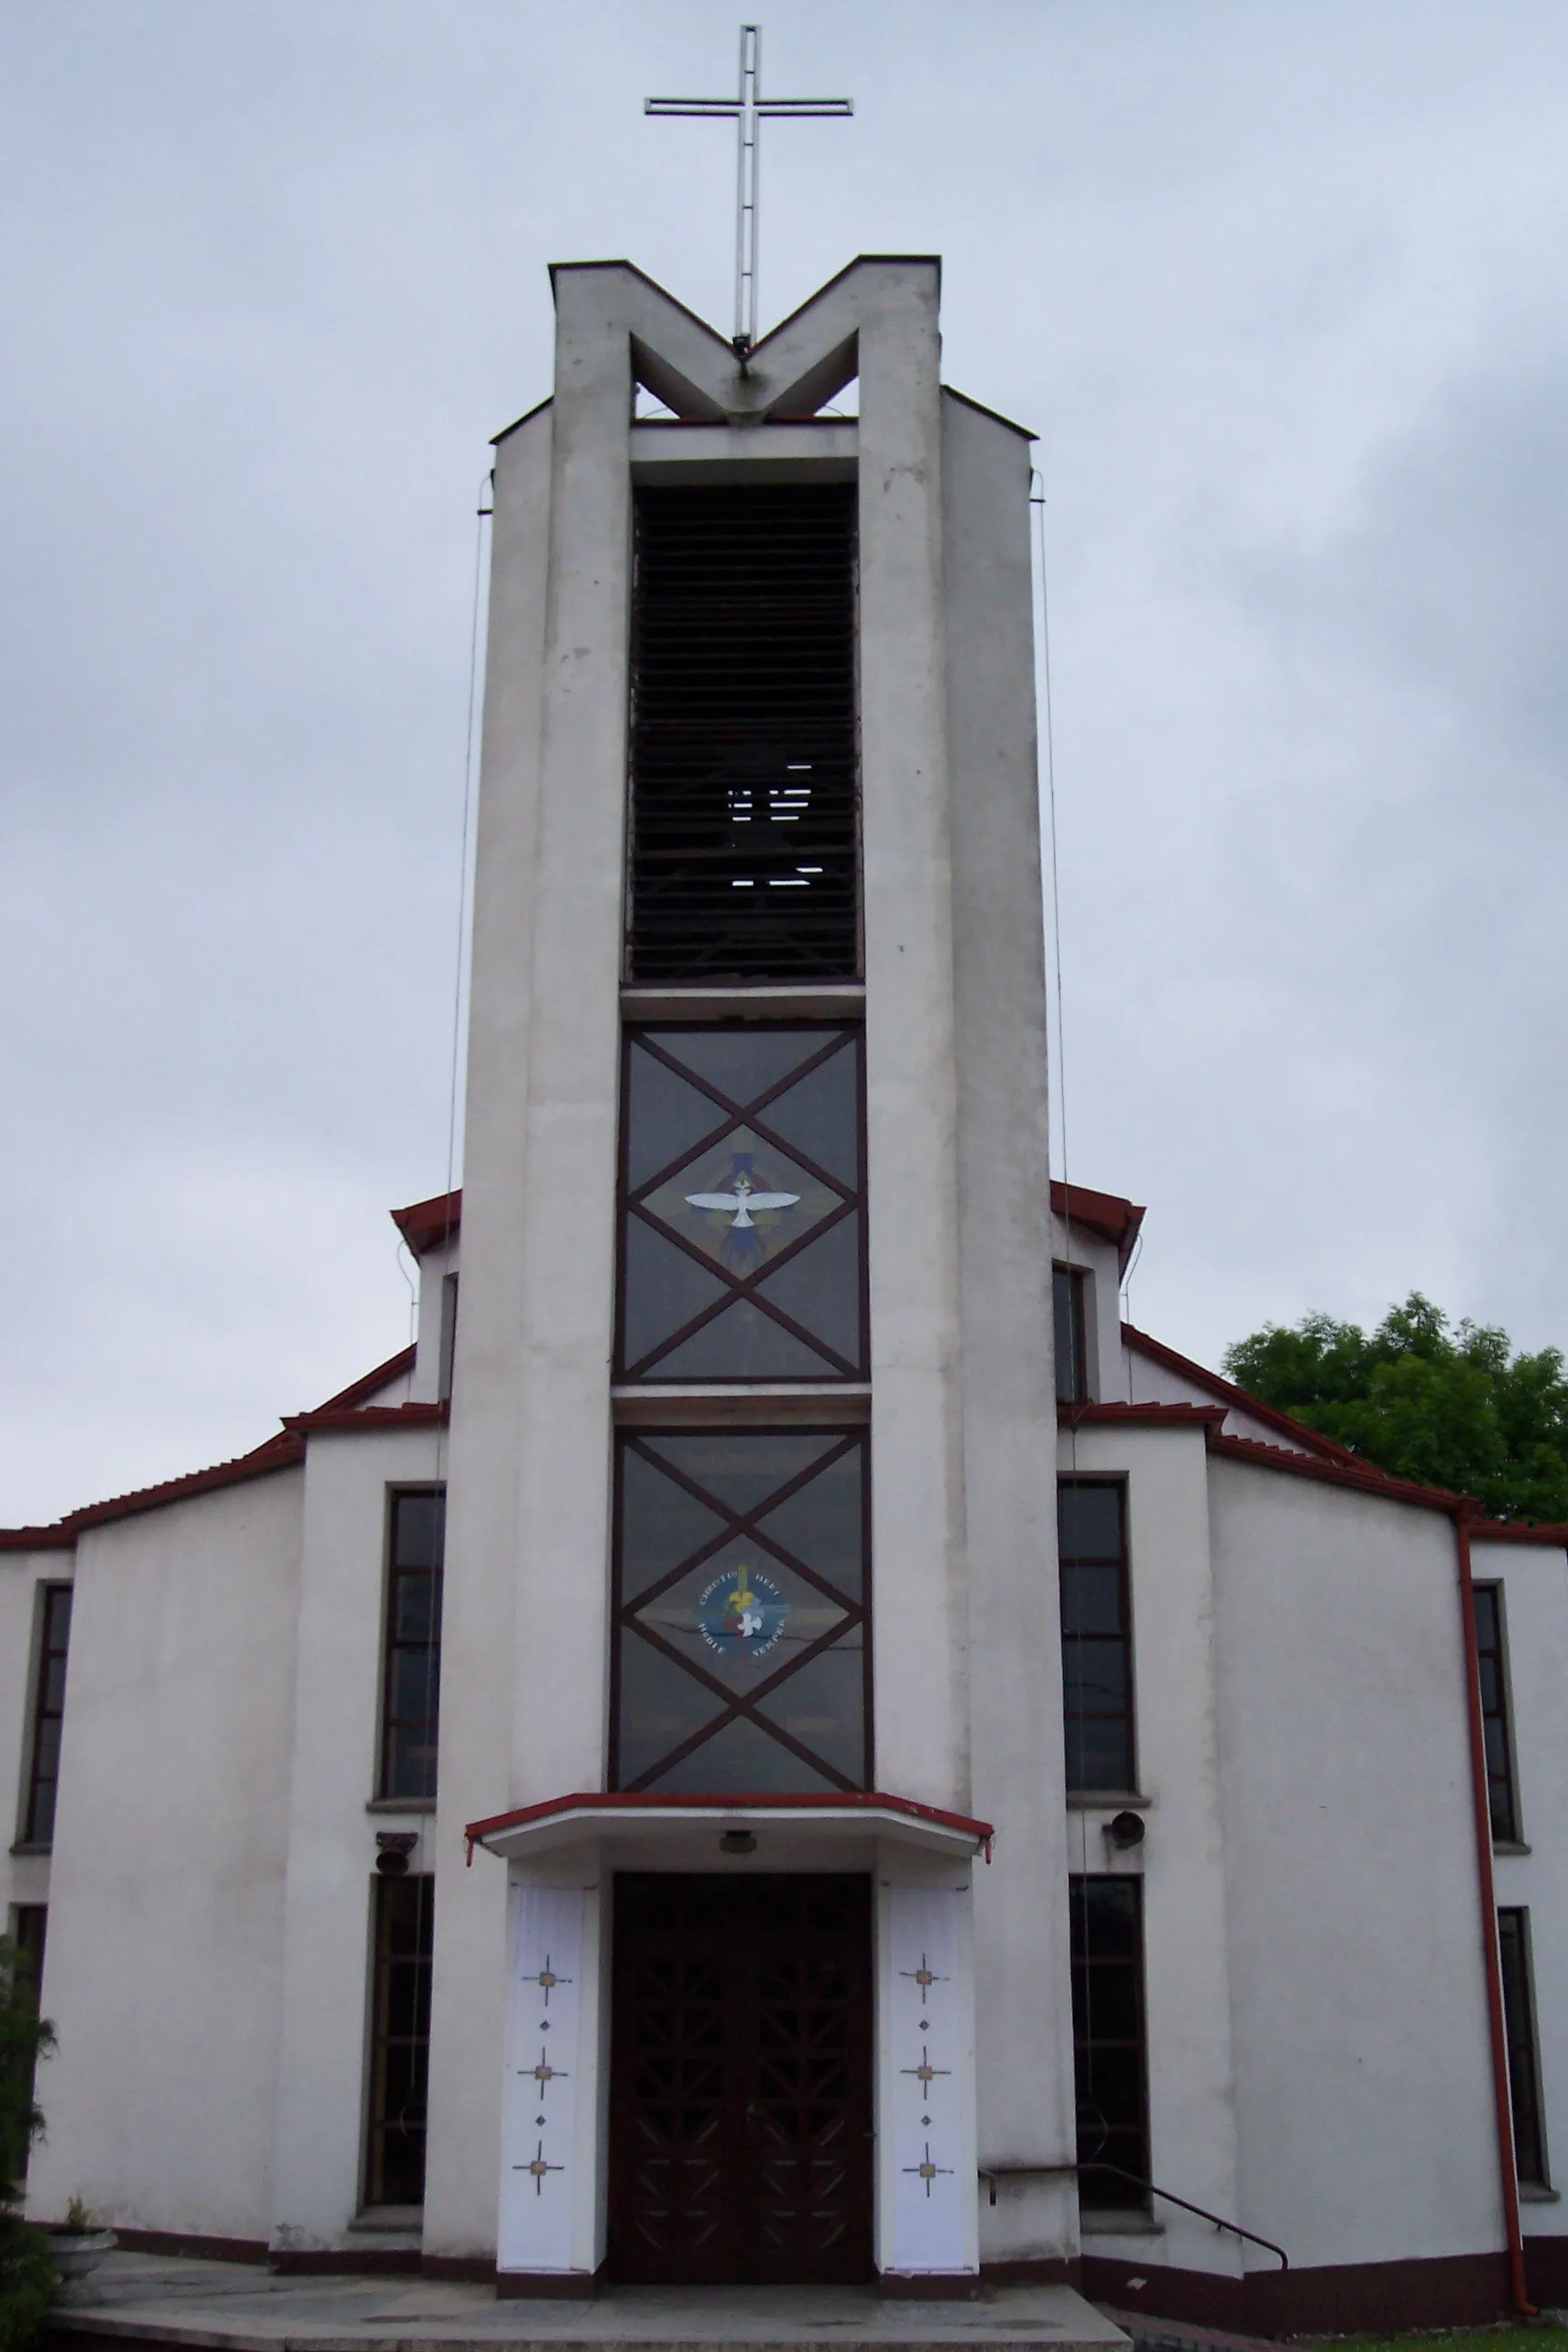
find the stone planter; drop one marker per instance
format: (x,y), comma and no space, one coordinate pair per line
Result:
(76,2254)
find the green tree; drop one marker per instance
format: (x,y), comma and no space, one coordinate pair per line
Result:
(1449,1405)
(27,2273)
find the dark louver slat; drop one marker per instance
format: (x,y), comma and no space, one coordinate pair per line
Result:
(744,849)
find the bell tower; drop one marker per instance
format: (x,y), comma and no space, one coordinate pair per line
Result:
(750,1704)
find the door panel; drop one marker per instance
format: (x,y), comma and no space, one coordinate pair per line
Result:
(740,2080)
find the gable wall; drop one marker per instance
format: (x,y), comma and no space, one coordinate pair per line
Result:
(162,1969)
(1364,2111)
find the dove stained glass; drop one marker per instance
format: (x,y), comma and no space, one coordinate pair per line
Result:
(742,1251)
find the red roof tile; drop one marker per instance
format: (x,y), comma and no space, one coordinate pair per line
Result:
(1105,1214)
(425,1224)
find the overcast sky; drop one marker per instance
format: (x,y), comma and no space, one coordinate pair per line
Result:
(1281,286)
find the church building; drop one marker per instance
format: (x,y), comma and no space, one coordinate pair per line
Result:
(782,1741)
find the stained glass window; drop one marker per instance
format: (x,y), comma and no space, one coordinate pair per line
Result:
(742,1252)
(740,1660)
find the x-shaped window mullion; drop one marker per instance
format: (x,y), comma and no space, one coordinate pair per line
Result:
(742,1523)
(740,1112)
(743,1286)
(739,1705)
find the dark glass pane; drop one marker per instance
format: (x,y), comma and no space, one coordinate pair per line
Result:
(660,1705)
(46,1747)
(52,1696)
(1520,2026)
(410,1762)
(741,1615)
(417,1531)
(741,1343)
(743,1469)
(663,1289)
(823,1706)
(741,1203)
(1497,1746)
(1108,1909)
(821,1288)
(412,1685)
(1501,1797)
(1067,1300)
(1088,1520)
(416,1615)
(1091,1598)
(1098,1755)
(661,1524)
(41,1823)
(665,1116)
(57,1624)
(1489,1678)
(745,1061)
(1094,1677)
(820,1115)
(742,1760)
(1486,1616)
(823,1523)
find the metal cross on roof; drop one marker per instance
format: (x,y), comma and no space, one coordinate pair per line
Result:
(749,107)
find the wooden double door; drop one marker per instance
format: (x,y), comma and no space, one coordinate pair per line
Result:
(740,2080)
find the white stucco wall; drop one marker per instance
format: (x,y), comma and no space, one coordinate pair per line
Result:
(1364,2113)
(163,1971)
(1183,1862)
(1534,1581)
(331,1827)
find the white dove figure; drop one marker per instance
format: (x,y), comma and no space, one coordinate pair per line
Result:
(742,1200)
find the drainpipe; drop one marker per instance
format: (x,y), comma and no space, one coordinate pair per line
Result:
(1507,2167)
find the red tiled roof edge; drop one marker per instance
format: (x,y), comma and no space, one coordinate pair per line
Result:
(1105,1214)
(368,1416)
(424,1225)
(1113,1415)
(1240,1399)
(1547,1531)
(369,1383)
(1354,1472)
(280,1452)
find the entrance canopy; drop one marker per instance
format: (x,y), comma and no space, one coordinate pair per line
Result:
(564,1821)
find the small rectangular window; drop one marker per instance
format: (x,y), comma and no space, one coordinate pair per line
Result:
(1491,1664)
(400,2041)
(49,1714)
(1524,2062)
(1110,2049)
(412,1660)
(1097,1633)
(1069,1286)
(449,1335)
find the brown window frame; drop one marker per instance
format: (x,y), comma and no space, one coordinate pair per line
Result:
(1126,1715)
(1525,2101)
(846,1036)
(741,1706)
(39,1815)
(1073,1281)
(414,1894)
(1107,2192)
(393,1645)
(1497,1714)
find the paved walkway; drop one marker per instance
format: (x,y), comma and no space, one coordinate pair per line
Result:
(158,2299)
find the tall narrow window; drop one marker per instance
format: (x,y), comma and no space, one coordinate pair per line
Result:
(1492,1666)
(1068,1286)
(1097,1627)
(29,1921)
(48,1713)
(400,2041)
(744,823)
(741,1661)
(1110,2048)
(412,1661)
(1523,2061)
(742,1247)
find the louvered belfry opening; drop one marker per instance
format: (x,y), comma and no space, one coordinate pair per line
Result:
(744,829)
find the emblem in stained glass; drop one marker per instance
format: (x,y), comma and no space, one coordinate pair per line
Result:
(742,1613)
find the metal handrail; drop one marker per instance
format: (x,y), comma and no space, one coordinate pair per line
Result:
(992,2173)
